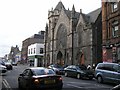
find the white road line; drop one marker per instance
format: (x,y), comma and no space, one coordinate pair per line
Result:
(78,83)
(6,83)
(74,86)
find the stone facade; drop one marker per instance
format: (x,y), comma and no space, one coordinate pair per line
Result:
(73,37)
(111,31)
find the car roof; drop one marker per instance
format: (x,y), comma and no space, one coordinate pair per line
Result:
(109,63)
(35,68)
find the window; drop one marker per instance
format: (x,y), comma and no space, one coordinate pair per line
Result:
(115,29)
(100,66)
(118,53)
(115,68)
(41,50)
(108,67)
(31,50)
(34,50)
(26,72)
(114,6)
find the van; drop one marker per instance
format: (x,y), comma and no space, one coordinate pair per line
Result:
(108,72)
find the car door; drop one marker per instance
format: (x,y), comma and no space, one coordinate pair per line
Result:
(108,72)
(68,70)
(116,74)
(74,71)
(25,79)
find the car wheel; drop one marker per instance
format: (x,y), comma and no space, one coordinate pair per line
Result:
(66,74)
(78,76)
(99,79)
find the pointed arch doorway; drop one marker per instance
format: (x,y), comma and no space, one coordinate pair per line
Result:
(82,59)
(60,60)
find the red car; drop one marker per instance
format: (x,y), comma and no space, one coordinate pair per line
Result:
(39,77)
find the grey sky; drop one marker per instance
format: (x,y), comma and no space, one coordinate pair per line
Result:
(20,19)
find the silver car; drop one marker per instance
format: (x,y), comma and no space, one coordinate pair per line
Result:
(108,72)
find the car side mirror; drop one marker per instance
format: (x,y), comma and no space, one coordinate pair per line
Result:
(21,74)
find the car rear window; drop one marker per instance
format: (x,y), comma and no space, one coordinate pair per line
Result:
(43,71)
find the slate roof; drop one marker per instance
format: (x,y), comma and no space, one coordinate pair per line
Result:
(90,17)
(94,14)
(68,13)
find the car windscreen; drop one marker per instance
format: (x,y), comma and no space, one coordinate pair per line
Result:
(82,67)
(43,71)
(57,66)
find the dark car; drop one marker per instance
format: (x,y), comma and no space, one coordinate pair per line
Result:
(8,65)
(57,68)
(39,78)
(78,72)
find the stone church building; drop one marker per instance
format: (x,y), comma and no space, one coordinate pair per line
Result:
(73,37)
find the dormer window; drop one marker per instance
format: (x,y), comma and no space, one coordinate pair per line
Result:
(114,6)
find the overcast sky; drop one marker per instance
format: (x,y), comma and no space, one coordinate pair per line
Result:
(20,19)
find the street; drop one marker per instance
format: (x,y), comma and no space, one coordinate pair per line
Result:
(9,80)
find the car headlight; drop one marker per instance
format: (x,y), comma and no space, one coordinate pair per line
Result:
(36,81)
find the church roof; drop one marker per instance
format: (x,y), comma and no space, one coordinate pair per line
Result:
(59,6)
(69,14)
(90,17)
(94,14)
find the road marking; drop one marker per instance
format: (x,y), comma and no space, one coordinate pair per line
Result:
(78,83)
(74,86)
(6,84)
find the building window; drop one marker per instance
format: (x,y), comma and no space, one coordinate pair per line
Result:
(114,6)
(115,29)
(118,53)
(31,50)
(41,50)
(34,50)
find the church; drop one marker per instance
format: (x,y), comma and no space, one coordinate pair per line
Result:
(73,37)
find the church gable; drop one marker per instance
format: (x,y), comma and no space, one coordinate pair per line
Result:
(63,19)
(59,6)
(83,19)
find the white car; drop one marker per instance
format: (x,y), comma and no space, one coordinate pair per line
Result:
(3,69)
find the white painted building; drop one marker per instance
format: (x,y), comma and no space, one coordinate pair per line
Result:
(35,54)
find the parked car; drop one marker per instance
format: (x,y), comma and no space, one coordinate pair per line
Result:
(57,68)
(39,77)
(14,63)
(108,72)
(8,65)
(78,72)
(3,69)
(2,62)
